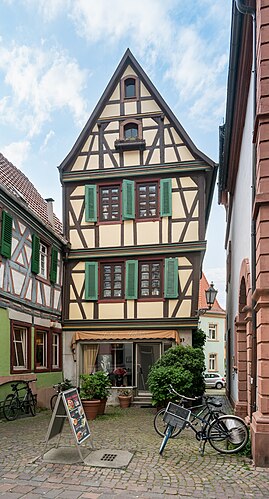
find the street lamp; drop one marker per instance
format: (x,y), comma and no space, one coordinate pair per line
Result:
(210,295)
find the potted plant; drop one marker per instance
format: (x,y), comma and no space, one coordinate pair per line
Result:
(125,397)
(88,393)
(102,389)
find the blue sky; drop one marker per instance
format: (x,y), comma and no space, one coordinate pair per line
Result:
(57,56)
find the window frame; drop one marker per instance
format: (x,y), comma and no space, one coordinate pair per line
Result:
(151,297)
(137,209)
(58,333)
(111,186)
(212,327)
(122,84)
(211,369)
(44,276)
(131,121)
(101,288)
(42,368)
(17,324)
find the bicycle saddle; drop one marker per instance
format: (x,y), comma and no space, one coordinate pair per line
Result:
(215,404)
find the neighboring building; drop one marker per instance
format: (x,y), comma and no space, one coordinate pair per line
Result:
(137,196)
(244,191)
(212,322)
(30,284)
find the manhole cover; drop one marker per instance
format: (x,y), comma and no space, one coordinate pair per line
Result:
(107,458)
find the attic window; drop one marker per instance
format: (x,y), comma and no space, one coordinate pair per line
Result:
(129,88)
(131,131)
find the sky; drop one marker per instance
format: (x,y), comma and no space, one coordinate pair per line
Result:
(57,57)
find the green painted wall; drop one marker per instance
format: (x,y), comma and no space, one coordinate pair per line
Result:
(5,343)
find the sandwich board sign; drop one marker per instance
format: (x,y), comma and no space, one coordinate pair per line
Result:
(68,406)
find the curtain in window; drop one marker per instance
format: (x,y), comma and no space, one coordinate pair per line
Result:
(90,353)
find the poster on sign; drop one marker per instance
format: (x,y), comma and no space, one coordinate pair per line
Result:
(76,415)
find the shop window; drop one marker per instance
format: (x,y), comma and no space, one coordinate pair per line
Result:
(116,359)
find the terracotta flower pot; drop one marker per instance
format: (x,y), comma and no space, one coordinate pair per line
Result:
(125,401)
(91,408)
(102,407)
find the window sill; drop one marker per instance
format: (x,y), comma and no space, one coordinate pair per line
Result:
(112,300)
(130,145)
(157,298)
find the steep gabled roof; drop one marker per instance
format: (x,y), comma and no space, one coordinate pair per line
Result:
(129,59)
(204,285)
(20,186)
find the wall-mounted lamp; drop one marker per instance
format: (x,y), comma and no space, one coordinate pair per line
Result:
(210,295)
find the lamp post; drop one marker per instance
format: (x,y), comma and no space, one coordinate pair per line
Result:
(210,295)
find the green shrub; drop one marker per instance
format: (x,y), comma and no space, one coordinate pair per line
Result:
(198,338)
(181,367)
(95,385)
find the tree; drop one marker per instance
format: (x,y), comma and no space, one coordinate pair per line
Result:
(198,338)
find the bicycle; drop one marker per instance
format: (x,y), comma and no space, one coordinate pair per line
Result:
(13,403)
(227,434)
(197,411)
(59,388)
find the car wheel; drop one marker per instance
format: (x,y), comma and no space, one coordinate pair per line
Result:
(219,385)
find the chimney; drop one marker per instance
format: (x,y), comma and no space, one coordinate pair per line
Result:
(50,210)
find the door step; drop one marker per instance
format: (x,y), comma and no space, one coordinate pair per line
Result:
(142,401)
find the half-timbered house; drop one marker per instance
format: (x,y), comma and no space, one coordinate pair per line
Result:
(137,196)
(30,284)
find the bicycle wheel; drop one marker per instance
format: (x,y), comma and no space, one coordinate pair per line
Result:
(167,435)
(53,401)
(228,434)
(11,407)
(160,425)
(31,403)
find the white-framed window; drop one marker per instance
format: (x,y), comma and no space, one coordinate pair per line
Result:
(43,261)
(20,348)
(212,331)
(212,362)
(55,351)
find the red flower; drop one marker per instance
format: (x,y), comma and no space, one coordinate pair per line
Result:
(120,371)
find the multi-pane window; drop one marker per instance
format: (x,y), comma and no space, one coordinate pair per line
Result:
(150,279)
(55,350)
(129,88)
(147,200)
(43,260)
(131,131)
(109,203)
(212,331)
(20,348)
(41,349)
(212,362)
(112,281)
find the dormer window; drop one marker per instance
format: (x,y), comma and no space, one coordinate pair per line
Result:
(131,131)
(129,88)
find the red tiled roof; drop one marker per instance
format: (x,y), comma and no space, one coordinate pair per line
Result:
(204,285)
(21,187)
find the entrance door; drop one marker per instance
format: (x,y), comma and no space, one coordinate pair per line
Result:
(147,354)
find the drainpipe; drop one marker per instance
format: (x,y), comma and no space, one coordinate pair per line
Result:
(247,10)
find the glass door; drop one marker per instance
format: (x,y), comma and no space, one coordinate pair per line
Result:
(147,354)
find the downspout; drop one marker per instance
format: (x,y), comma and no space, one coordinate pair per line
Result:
(244,9)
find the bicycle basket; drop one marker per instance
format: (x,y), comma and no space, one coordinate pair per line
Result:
(176,415)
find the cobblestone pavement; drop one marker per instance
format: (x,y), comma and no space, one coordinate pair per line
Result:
(180,472)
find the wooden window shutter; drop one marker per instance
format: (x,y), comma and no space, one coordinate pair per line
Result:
(131,279)
(128,200)
(171,278)
(166,197)
(90,203)
(91,281)
(35,253)
(6,234)
(53,265)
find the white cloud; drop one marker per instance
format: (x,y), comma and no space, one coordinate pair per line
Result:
(48,137)
(38,83)
(17,152)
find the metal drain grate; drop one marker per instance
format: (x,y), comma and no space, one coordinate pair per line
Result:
(108,457)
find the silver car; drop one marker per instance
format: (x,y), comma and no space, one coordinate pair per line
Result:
(214,380)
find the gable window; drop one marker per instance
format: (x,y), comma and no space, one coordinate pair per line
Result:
(150,279)
(147,200)
(41,349)
(212,362)
(129,88)
(212,331)
(131,131)
(109,203)
(112,281)
(20,348)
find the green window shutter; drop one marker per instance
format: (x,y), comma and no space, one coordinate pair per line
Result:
(6,234)
(90,203)
(131,279)
(171,278)
(35,253)
(166,197)
(91,281)
(53,265)
(128,200)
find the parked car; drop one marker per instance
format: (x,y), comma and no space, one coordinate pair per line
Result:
(214,380)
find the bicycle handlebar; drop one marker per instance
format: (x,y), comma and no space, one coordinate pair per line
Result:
(172,390)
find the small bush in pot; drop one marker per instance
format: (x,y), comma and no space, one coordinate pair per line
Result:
(125,397)
(102,389)
(88,394)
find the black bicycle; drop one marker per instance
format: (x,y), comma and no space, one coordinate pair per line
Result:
(59,388)
(227,434)
(19,402)
(207,410)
